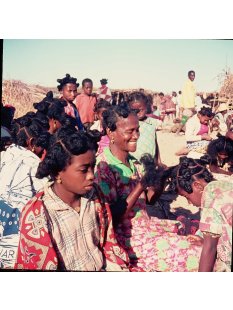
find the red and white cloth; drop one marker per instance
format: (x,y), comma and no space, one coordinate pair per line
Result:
(104,93)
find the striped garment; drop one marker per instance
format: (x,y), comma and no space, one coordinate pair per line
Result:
(146,142)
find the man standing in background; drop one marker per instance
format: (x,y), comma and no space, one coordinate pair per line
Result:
(187,108)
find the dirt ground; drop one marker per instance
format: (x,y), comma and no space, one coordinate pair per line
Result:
(169,143)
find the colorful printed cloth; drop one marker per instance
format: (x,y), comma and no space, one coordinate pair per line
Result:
(55,236)
(147,139)
(152,244)
(18,185)
(104,93)
(216,218)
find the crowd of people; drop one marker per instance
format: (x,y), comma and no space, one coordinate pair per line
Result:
(81,174)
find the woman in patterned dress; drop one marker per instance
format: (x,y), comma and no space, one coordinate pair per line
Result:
(68,225)
(152,244)
(195,182)
(18,167)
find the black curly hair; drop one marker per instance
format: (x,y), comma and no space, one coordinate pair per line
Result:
(66,80)
(187,171)
(110,116)
(29,128)
(140,97)
(86,81)
(101,104)
(221,144)
(205,111)
(50,108)
(154,175)
(63,145)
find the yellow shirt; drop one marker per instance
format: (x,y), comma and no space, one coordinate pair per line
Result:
(188,95)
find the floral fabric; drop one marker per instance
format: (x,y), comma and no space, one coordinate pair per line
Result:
(49,241)
(152,244)
(216,218)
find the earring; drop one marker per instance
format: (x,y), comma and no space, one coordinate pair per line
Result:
(33,149)
(54,126)
(112,141)
(59,180)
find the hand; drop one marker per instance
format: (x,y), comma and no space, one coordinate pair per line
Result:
(196,240)
(205,136)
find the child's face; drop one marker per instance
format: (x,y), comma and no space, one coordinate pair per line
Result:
(141,107)
(87,88)
(99,114)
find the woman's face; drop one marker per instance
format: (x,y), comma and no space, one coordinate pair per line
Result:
(204,120)
(140,106)
(78,177)
(127,133)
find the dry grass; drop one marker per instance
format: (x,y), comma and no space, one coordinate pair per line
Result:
(22,96)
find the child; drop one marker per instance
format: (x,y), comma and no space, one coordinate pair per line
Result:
(68,226)
(85,103)
(147,142)
(102,105)
(68,89)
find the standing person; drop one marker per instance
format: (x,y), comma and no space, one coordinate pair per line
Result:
(187,108)
(68,225)
(178,106)
(147,142)
(68,89)
(85,104)
(104,92)
(18,182)
(194,181)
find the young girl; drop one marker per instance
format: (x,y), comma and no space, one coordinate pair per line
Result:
(68,226)
(101,105)
(147,142)
(193,181)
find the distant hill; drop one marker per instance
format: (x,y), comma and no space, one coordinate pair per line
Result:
(22,96)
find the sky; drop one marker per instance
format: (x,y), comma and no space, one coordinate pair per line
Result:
(159,65)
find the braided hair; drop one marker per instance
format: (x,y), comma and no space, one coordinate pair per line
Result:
(66,80)
(138,96)
(63,145)
(206,111)
(187,171)
(29,128)
(110,116)
(222,144)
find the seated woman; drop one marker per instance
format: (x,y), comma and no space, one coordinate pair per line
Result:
(68,226)
(151,243)
(18,168)
(220,152)
(193,181)
(197,134)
